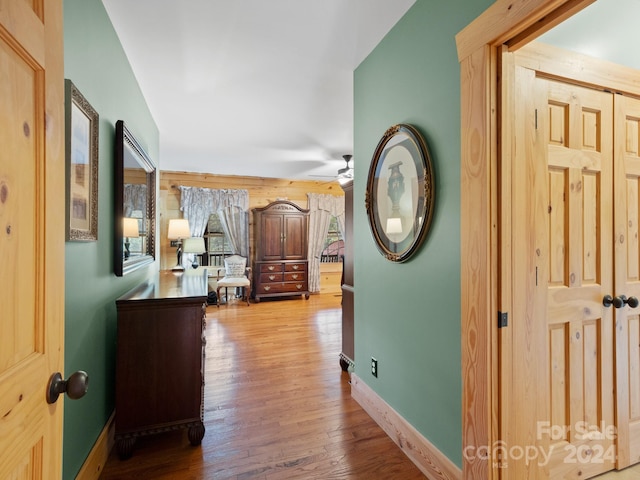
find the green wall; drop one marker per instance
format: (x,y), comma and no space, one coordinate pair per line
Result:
(408,315)
(97,65)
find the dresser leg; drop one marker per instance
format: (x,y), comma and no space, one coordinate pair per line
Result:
(195,434)
(124,447)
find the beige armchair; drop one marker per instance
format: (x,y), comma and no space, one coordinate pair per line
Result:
(235,274)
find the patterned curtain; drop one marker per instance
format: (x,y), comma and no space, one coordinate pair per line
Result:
(135,198)
(321,208)
(197,204)
(235,223)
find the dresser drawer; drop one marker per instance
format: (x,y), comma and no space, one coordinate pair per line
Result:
(271,277)
(288,287)
(295,267)
(270,267)
(295,276)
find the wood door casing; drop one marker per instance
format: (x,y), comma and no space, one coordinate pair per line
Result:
(32,196)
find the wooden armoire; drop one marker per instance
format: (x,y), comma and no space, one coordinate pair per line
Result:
(281,266)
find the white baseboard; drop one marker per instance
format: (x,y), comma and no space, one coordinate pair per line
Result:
(431,461)
(97,458)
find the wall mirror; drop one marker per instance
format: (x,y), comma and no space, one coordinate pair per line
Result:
(400,192)
(135,204)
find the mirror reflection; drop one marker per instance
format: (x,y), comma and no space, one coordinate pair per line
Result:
(135,204)
(400,193)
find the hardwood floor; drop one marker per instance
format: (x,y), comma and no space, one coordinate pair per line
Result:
(277,405)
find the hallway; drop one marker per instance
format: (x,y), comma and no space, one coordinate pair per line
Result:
(277,405)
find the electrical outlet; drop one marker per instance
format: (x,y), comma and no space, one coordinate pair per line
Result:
(374,367)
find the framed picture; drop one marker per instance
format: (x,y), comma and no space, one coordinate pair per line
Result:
(400,193)
(81,142)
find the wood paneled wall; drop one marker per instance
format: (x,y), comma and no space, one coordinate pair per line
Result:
(262,191)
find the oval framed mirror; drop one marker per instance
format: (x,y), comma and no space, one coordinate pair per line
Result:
(400,193)
(135,204)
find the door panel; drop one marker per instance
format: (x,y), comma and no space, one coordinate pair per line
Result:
(31,236)
(627,271)
(563,364)
(272,234)
(576,125)
(295,244)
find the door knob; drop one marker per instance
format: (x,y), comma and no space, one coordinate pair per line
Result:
(620,301)
(75,387)
(631,301)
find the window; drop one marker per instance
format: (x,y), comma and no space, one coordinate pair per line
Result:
(218,245)
(333,244)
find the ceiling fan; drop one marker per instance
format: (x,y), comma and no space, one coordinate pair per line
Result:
(346,173)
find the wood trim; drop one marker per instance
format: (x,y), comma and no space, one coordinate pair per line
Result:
(517,21)
(97,458)
(478,260)
(581,69)
(431,461)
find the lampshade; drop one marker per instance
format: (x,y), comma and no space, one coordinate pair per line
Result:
(193,245)
(130,227)
(178,229)
(394,225)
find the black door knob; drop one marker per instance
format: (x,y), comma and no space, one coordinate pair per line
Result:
(621,300)
(75,387)
(607,301)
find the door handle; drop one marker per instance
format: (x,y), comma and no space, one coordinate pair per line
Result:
(620,301)
(75,386)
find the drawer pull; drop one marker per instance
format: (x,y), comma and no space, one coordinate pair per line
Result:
(271,268)
(294,276)
(272,277)
(296,267)
(267,288)
(299,287)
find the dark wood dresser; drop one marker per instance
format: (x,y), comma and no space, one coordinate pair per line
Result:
(347,356)
(281,235)
(160,359)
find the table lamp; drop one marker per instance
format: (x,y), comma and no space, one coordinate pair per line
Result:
(178,229)
(194,245)
(129,230)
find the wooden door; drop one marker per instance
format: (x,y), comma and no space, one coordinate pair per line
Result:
(271,236)
(32,222)
(295,237)
(627,276)
(560,378)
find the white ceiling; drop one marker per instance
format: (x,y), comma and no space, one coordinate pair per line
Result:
(265,87)
(252,87)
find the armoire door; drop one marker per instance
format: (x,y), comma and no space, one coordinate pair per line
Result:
(295,237)
(560,379)
(32,235)
(272,236)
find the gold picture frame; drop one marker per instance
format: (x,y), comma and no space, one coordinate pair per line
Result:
(400,193)
(81,147)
